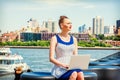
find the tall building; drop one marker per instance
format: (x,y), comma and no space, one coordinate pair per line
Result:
(51,25)
(98,25)
(114,29)
(82,28)
(111,30)
(89,30)
(106,29)
(33,23)
(118,24)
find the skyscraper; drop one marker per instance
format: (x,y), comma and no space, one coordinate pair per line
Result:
(118,24)
(82,28)
(51,25)
(118,27)
(33,23)
(98,25)
(106,29)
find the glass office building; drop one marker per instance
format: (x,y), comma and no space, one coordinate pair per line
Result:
(118,24)
(30,36)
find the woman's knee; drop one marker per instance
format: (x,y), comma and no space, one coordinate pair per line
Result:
(80,73)
(80,76)
(73,75)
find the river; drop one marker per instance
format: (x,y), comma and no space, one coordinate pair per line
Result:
(38,59)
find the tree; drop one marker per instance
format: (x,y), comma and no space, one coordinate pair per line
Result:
(100,37)
(117,38)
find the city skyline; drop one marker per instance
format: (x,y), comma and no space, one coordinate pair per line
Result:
(15,14)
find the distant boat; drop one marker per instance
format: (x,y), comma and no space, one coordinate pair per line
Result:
(8,62)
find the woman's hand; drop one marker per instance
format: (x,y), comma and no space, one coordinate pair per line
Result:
(65,66)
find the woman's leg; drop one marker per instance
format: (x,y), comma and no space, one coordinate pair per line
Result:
(80,76)
(73,76)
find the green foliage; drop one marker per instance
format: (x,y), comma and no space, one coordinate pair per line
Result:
(29,43)
(109,37)
(117,38)
(93,42)
(43,43)
(100,37)
(86,44)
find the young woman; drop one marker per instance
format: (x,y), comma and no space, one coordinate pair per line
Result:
(62,46)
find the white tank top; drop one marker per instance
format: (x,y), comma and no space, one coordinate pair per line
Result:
(63,51)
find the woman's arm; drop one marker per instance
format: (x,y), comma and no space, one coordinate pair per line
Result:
(76,46)
(53,44)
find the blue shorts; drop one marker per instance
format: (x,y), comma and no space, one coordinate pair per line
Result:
(66,75)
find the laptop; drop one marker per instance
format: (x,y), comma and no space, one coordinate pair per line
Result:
(79,62)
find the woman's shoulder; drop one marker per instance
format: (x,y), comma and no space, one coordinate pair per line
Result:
(53,38)
(74,38)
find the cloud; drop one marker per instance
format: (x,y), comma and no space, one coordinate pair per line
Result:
(49,2)
(31,8)
(71,3)
(89,6)
(41,5)
(34,5)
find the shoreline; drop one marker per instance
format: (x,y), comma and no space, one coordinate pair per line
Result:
(47,47)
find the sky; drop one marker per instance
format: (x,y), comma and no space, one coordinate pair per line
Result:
(14,14)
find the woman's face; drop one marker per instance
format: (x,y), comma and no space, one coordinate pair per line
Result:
(66,25)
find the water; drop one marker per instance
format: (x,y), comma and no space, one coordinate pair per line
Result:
(38,59)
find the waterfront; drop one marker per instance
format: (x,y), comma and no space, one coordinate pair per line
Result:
(38,59)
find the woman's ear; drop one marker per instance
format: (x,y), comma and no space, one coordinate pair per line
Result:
(61,26)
